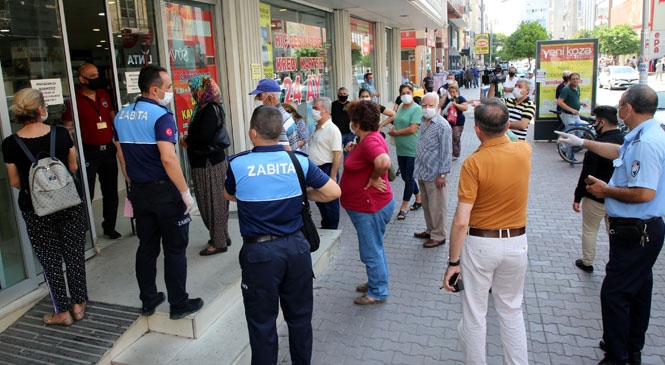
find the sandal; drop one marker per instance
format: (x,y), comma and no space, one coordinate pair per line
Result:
(80,315)
(366,299)
(416,206)
(362,288)
(401,215)
(48,320)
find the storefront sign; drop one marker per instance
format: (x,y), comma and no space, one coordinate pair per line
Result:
(132,80)
(266,38)
(482,43)
(50,88)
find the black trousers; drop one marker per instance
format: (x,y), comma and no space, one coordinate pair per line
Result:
(625,296)
(103,163)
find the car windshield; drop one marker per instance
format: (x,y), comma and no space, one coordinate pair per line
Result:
(624,70)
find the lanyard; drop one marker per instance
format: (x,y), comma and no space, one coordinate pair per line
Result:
(96,107)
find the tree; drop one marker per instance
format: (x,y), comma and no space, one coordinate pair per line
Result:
(585,33)
(356,53)
(522,43)
(617,41)
(497,41)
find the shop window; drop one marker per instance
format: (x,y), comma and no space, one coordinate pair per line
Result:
(362,51)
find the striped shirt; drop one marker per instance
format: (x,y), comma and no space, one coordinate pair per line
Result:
(435,149)
(525,109)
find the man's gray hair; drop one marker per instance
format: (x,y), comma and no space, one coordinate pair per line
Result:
(326,103)
(431,95)
(491,116)
(642,98)
(524,81)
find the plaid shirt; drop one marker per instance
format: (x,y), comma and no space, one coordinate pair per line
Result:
(434,150)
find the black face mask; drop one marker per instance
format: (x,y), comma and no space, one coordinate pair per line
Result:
(597,128)
(343,98)
(511,74)
(94,84)
(566,78)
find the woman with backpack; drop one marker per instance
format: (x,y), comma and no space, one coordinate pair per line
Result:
(58,236)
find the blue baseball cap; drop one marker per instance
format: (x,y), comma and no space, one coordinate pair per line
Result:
(266,86)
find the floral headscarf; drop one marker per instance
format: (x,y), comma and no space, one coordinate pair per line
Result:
(204,90)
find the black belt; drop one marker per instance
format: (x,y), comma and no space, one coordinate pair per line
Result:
(158,182)
(103,147)
(566,112)
(257,239)
(325,164)
(645,221)
(497,233)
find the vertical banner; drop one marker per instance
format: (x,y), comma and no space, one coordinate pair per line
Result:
(266,40)
(554,57)
(482,43)
(191,51)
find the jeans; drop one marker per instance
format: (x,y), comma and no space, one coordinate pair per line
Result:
(569,119)
(406,165)
(330,210)
(625,297)
(371,227)
(500,264)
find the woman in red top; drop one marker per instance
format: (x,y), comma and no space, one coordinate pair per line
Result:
(367,196)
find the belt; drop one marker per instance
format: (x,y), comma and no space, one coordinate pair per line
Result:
(158,182)
(95,147)
(257,239)
(497,233)
(613,219)
(566,112)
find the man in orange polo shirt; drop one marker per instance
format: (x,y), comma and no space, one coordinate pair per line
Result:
(95,111)
(490,224)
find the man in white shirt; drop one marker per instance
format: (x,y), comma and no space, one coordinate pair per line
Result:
(510,82)
(325,150)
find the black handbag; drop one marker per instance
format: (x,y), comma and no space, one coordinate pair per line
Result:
(308,227)
(220,140)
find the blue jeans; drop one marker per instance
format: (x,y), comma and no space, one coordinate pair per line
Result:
(371,227)
(346,138)
(406,165)
(330,210)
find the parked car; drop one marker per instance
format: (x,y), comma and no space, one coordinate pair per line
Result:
(613,77)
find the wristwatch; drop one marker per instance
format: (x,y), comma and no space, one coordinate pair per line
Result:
(442,175)
(456,263)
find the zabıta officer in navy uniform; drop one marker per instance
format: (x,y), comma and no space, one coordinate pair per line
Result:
(146,134)
(275,259)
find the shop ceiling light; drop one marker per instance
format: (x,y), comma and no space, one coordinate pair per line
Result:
(96,30)
(101,14)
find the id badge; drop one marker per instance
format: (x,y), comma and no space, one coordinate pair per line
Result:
(102,125)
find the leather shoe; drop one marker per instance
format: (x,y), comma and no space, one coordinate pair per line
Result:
(214,251)
(192,306)
(422,234)
(586,268)
(434,243)
(112,234)
(634,358)
(149,310)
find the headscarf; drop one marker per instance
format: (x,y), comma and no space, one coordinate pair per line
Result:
(204,90)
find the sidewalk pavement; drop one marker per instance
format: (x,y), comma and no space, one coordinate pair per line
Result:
(418,324)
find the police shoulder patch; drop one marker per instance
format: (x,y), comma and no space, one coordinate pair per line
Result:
(634,168)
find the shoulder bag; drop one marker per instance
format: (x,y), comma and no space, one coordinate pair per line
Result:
(308,226)
(220,140)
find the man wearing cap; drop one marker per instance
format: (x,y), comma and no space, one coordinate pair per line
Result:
(268,93)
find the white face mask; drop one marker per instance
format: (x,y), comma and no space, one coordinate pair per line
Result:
(258,103)
(316,115)
(429,113)
(366,98)
(449,81)
(168,96)
(517,93)
(45,117)
(353,130)
(407,99)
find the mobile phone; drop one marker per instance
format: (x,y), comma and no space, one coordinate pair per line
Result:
(456,282)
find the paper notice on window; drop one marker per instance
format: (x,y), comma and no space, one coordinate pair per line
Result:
(540,75)
(51,88)
(132,82)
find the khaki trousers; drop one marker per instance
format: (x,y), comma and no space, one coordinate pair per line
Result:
(435,209)
(592,213)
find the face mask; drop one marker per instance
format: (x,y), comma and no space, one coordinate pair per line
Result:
(566,78)
(370,81)
(316,115)
(517,93)
(429,113)
(258,103)
(407,99)
(366,98)
(597,127)
(449,82)
(353,130)
(450,97)
(45,117)
(94,84)
(343,98)
(511,74)
(168,96)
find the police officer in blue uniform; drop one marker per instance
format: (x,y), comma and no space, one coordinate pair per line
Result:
(146,134)
(635,204)
(275,259)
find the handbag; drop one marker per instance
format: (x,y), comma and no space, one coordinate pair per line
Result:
(452,115)
(220,140)
(308,227)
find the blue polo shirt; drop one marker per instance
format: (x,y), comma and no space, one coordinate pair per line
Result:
(138,127)
(266,185)
(641,164)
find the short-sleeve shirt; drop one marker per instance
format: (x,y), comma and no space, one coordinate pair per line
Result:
(13,154)
(323,142)
(288,137)
(525,109)
(358,168)
(641,164)
(460,114)
(511,84)
(265,183)
(406,145)
(91,112)
(429,83)
(495,179)
(138,128)
(571,97)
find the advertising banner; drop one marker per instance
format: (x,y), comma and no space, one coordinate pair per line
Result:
(266,40)
(554,57)
(482,43)
(192,52)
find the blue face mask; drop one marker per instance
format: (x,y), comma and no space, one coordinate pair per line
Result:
(370,81)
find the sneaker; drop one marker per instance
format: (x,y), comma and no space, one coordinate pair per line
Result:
(580,264)
(112,234)
(149,310)
(192,306)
